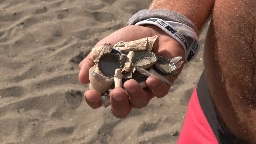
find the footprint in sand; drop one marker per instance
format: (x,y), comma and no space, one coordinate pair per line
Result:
(74,98)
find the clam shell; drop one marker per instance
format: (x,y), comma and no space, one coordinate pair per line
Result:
(99,82)
(144,59)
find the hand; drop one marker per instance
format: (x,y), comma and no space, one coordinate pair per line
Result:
(123,100)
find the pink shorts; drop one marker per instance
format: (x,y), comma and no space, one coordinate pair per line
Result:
(202,124)
(196,129)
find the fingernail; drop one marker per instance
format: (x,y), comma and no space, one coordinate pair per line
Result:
(131,90)
(152,83)
(90,99)
(118,98)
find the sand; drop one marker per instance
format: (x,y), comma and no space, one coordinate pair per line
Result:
(41,99)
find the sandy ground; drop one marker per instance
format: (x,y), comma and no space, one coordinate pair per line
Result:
(41,99)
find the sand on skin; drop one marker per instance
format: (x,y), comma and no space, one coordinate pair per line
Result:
(41,99)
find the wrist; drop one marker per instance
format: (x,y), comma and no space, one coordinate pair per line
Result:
(175,48)
(163,14)
(174,24)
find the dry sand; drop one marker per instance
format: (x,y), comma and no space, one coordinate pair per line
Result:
(41,43)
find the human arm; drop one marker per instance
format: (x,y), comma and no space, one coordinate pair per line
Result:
(132,95)
(167,47)
(197,11)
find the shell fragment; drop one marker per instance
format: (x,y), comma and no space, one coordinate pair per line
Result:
(113,65)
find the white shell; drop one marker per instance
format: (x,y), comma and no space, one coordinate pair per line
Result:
(99,82)
(144,44)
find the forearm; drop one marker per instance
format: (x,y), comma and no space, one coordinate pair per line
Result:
(197,11)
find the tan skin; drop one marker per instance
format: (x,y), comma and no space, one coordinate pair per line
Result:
(229,61)
(126,98)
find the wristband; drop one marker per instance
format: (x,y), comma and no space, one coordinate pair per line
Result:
(185,35)
(178,26)
(166,15)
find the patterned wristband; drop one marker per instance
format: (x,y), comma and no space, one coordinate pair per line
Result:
(178,26)
(182,33)
(166,15)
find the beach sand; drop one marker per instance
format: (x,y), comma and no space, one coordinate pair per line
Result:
(41,99)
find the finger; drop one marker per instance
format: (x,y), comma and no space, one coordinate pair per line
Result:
(84,66)
(92,98)
(158,87)
(120,105)
(87,60)
(170,48)
(123,34)
(138,97)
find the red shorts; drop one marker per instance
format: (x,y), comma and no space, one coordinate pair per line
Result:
(196,129)
(202,124)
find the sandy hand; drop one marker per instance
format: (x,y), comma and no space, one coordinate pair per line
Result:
(132,94)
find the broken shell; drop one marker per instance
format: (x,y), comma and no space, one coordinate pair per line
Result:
(105,100)
(128,63)
(166,66)
(143,84)
(125,60)
(101,50)
(144,44)
(107,64)
(99,82)
(144,59)
(118,78)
